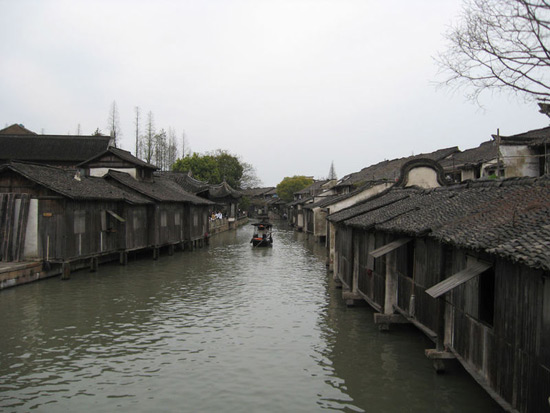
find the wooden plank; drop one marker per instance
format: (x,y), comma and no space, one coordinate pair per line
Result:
(457,279)
(3,221)
(22,227)
(383,250)
(8,230)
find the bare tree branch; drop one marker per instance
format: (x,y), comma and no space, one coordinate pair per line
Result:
(499,45)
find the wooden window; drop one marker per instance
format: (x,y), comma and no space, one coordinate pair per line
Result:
(163,218)
(177,218)
(405,259)
(487,296)
(545,345)
(79,222)
(195,219)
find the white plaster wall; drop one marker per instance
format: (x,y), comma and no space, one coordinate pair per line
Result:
(367,193)
(467,174)
(519,161)
(423,177)
(31,234)
(103,171)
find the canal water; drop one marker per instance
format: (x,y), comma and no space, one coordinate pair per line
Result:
(227,328)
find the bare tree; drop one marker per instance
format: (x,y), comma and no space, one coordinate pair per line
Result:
(172,148)
(136,122)
(160,149)
(185,148)
(500,45)
(148,139)
(249,178)
(332,172)
(114,123)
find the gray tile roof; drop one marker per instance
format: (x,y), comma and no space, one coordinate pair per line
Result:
(186,181)
(390,170)
(323,203)
(53,149)
(253,192)
(312,189)
(63,182)
(507,217)
(162,189)
(486,151)
(223,190)
(122,154)
(382,199)
(532,137)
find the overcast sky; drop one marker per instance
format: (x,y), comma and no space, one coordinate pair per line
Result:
(287,85)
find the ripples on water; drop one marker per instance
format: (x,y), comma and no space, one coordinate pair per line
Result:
(227,328)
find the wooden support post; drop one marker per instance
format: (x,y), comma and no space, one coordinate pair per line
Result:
(439,354)
(94,263)
(391,284)
(123,258)
(384,320)
(171,249)
(352,298)
(65,271)
(440,346)
(438,358)
(156,253)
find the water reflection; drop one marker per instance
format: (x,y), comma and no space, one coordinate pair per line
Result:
(225,328)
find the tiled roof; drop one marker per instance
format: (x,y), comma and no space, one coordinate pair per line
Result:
(471,157)
(531,249)
(338,198)
(186,181)
(532,137)
(122,154)
(223,190)
(161,189)
(252,192)
(313,188)
(322,200)
(382,199)
(390,170)
(63,182)
(300,201)
(507,217)
(16,129)
(51,148)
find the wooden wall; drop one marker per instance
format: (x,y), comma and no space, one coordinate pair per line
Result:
(371,284)
(344,246)
(195,222)
(512,354)
(419,267)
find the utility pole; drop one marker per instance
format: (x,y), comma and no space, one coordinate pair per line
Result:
(498,153)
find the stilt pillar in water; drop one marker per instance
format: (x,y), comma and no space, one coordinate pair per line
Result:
(156,253)
(65,271)
(94,263)
(385,320)
(352,298)
(440,353)
(123,258)
(438,358)
(171,249)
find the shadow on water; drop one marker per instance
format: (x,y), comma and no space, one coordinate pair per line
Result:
(225,328)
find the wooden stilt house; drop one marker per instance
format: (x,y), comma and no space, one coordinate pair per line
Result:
(178,216)
(62,216)
(469,266)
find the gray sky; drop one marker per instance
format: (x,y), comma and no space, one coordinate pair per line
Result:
(288,85)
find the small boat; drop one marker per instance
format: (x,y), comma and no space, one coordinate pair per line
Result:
(262,234)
